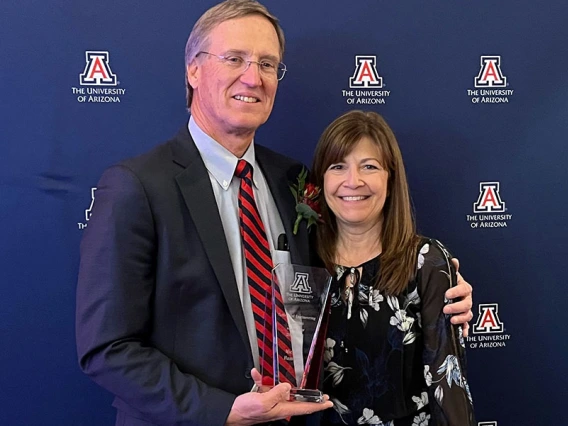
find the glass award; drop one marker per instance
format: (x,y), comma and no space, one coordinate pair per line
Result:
(298,309)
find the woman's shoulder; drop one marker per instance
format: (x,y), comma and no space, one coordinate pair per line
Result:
(431,252)
(435,272)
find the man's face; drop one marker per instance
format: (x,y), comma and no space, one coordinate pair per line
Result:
(227,101)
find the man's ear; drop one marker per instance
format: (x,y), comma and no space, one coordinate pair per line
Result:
(193,72)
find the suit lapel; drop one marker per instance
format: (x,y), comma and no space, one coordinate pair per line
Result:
(197,193)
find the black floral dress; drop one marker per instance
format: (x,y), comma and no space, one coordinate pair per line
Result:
(395,361)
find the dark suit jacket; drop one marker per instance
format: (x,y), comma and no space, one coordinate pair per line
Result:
(159,320)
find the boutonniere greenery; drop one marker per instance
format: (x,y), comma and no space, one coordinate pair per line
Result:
(306,195)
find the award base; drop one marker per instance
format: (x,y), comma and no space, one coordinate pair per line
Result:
(297,394)
(306,395)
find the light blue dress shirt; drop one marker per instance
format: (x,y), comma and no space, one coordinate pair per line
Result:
(221,165)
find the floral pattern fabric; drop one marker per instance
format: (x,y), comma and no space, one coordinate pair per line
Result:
(395,360)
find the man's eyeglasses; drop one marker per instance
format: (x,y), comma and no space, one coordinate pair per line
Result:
(239,64)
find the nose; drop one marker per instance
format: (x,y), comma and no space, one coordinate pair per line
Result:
(251,74)
(353,178)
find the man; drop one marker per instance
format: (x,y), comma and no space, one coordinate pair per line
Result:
(164,313)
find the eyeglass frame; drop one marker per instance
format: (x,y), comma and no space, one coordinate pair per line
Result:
(226,58)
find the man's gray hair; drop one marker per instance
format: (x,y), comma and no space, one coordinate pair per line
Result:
(229,9)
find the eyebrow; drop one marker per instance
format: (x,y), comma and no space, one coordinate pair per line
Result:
(244,53)
(363,160)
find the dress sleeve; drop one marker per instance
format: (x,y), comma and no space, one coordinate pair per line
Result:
(444,348)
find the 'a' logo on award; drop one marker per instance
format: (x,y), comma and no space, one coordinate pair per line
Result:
(300,284)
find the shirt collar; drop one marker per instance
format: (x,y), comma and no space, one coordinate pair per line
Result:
(219,161)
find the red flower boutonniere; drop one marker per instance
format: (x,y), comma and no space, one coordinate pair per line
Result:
(307,203)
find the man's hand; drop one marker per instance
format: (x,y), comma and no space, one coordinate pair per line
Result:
(461,309)
(269,404)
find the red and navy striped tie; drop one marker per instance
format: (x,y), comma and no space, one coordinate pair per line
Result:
(259,275)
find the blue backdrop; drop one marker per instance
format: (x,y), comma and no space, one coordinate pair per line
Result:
(477,93)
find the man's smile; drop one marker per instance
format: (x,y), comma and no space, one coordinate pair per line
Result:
(247,99)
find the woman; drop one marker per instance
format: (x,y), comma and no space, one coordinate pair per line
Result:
(392,357)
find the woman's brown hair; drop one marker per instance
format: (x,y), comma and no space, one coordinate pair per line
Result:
(398,235)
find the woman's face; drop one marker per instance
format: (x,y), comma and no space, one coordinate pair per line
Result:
(356,188)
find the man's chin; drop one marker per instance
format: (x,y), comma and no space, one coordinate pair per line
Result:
(246,126)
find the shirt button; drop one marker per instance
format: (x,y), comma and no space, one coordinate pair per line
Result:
(225,184)
(247,374)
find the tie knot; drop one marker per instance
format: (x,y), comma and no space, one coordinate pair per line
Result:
(244,169)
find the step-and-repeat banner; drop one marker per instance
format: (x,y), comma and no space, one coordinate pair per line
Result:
(476,92)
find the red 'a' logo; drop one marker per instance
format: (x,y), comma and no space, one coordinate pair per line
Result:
(365,74)
(97,70)
(89,211)
(488,320)
(490,74)
(489,200)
